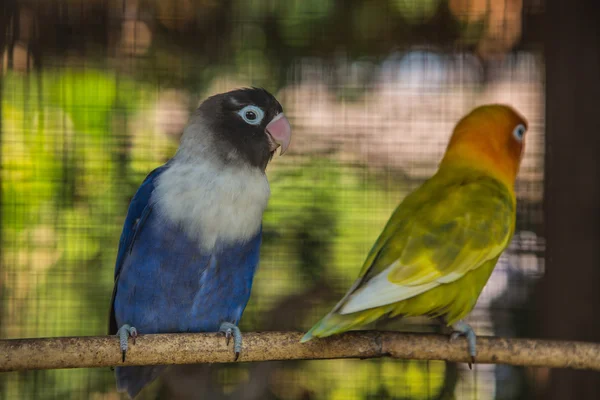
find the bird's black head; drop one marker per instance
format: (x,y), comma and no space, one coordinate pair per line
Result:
(246,124)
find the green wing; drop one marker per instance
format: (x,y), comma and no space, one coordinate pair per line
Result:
(449,226)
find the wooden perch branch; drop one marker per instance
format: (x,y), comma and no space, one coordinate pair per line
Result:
(103,351)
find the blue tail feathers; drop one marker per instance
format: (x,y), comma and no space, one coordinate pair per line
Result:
(133,379)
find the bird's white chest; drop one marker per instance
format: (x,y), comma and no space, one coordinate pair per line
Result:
(213,205)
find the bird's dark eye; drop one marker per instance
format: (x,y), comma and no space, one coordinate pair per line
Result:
(252,115)
(519,132)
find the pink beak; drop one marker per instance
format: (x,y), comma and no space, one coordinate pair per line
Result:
(280,132)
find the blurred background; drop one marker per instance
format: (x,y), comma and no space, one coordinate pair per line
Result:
(95,94)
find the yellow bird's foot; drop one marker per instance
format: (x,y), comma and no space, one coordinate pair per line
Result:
(461,328)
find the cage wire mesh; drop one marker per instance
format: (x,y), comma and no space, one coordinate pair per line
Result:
(95,95)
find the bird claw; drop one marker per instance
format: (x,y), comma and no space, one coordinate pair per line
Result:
(230,331)
(461,328)
(124,333)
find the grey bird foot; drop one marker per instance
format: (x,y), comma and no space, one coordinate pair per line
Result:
(124,333)
(461,328)
(231,330)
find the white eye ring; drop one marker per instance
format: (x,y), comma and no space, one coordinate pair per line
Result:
(252,115)
(519,132)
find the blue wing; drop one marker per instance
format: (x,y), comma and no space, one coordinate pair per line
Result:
(136,216)
(164,282)
(168,284)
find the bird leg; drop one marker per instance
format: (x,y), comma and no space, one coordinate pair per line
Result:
(231,330)
(461,328)
(124,333)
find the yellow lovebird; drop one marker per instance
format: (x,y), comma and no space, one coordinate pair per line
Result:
(441,244)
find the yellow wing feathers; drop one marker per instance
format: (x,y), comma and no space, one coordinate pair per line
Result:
(452,229)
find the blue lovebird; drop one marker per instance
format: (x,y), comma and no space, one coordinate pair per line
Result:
(190,244)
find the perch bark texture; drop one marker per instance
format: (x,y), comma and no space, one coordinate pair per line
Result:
(192,348)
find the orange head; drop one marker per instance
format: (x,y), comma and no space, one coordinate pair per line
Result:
(491,139)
